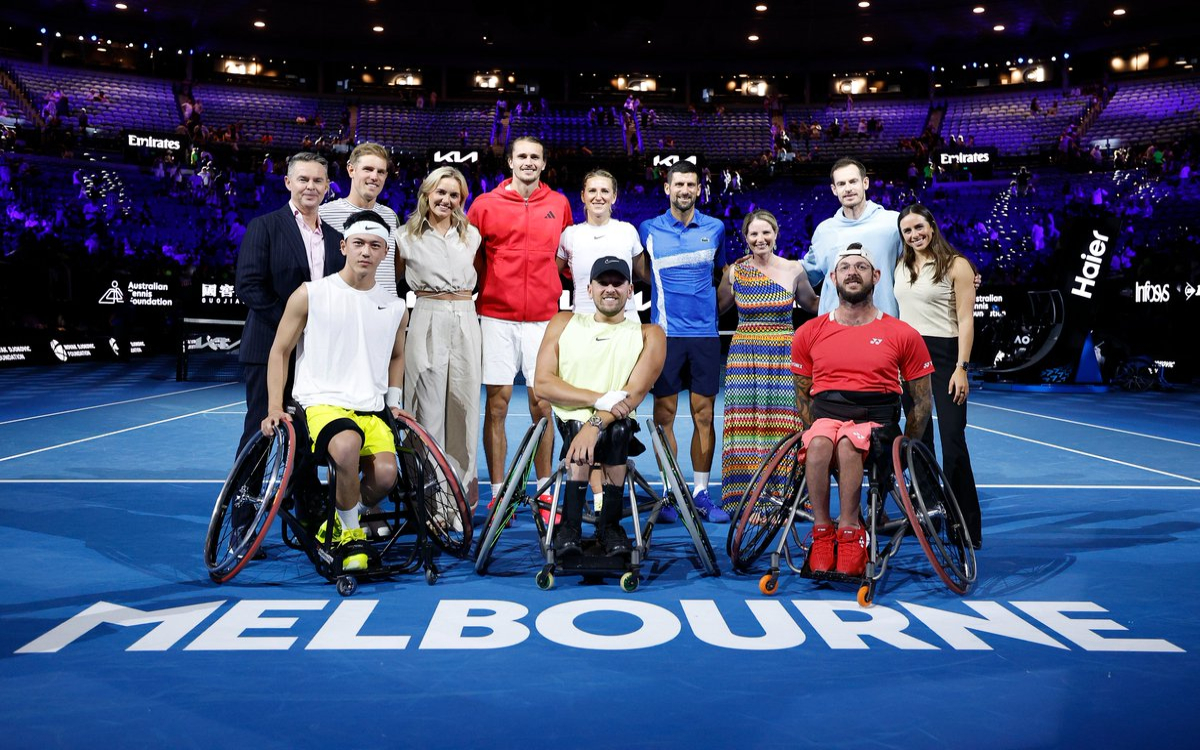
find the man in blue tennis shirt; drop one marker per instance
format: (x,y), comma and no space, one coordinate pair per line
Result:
(685,247)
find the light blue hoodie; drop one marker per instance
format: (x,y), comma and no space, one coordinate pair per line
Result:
(878,231)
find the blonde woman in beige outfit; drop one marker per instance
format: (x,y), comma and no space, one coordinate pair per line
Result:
(443,372)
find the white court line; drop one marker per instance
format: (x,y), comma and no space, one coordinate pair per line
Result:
(1085,453)
(114,432)
(112,481)
(114,403)
(1087,424)
(1136,487)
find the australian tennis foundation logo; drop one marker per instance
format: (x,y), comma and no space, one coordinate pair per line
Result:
(139,293)
(598,625)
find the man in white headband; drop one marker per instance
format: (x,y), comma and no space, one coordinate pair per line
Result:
(350,366)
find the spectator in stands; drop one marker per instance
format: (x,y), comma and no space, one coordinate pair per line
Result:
(858,220)
(684,247)
(520,223)
(436,253)
(281,250)
(936,294)
(367,168)
(760,394)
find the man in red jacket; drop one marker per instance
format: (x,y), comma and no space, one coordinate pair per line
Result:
(520,223)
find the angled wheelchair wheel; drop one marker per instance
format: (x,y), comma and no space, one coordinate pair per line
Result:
(248,502)
(768,503)
(677,490)
(936,519)
(427,472)
(512,494)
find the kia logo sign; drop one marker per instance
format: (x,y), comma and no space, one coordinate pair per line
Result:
(670,160)
(455,157)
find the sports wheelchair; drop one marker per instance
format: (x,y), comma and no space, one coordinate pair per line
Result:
(276,476)
(591,562)
(907,495)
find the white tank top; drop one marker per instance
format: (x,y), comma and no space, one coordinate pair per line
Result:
(926,306)
(347,345)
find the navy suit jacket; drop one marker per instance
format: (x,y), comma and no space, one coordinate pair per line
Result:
(271,264)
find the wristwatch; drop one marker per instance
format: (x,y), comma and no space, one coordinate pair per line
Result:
(596,422)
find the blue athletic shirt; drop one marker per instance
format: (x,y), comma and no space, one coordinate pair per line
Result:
(683,300)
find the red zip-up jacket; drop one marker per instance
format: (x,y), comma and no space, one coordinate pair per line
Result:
(520,279)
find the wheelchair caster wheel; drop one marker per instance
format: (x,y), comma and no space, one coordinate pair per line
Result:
(347,585)
(768,584)
(866,595)
(630,582)
(544,580)
(431,575)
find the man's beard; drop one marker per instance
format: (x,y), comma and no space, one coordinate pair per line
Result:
(864,293)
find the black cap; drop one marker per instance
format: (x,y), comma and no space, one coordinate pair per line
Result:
(610,264)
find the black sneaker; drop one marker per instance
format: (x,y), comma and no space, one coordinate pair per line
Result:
(615,540)
(566,539)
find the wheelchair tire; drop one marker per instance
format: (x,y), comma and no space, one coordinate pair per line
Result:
(447,512)
(248,502)
(936,519)
(512,494)
(768,503)
(676,488)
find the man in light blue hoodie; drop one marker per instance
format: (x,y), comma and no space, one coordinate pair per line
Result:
(858,220)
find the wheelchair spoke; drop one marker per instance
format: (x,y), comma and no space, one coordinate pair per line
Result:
(772,494)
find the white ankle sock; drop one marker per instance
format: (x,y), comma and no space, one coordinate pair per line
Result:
(349,518)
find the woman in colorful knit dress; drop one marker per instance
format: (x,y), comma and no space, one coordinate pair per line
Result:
(760,394)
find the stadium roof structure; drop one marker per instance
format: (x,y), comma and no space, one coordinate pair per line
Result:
(788,34)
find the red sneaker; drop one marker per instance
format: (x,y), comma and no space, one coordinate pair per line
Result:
(821,553)
(852,550)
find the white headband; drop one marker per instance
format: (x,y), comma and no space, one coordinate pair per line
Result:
(367,227)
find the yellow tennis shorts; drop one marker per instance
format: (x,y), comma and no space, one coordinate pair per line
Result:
(377,438)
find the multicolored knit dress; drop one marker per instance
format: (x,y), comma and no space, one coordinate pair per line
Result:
(760,393)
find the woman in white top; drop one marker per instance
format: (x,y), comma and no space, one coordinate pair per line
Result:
(599,235)
(935,288)
(443,371)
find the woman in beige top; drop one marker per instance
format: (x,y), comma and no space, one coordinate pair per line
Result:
(935,288)
(435,255)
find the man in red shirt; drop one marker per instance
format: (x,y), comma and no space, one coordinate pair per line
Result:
(848,366)
(520,223)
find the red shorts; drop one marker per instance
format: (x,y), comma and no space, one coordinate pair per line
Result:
(858,433)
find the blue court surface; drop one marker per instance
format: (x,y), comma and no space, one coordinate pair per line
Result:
(1082,631)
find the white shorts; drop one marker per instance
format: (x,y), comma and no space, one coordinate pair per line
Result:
(508,347)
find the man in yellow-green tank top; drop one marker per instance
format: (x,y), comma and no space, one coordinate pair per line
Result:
(595,368)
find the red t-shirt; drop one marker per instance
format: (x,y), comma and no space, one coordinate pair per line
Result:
(868,359)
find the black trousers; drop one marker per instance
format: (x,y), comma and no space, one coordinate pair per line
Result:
(255,376)
(952,429)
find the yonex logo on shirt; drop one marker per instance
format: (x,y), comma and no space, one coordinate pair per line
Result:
(876,342)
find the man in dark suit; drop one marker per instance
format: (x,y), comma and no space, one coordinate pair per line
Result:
(280,251)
